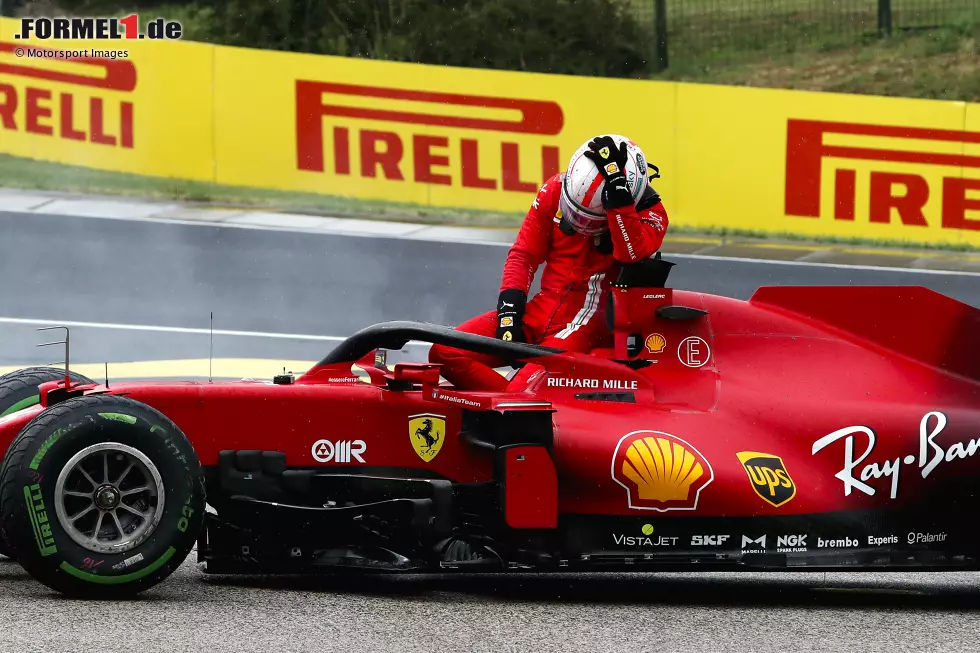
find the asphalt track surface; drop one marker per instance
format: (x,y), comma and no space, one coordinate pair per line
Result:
(172,276)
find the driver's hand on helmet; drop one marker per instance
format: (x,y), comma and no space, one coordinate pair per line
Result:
(611,161)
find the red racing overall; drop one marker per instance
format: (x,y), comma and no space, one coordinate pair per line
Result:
(569,311)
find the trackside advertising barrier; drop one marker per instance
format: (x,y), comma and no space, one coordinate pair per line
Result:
(811,164)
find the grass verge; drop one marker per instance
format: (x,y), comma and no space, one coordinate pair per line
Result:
(939,64)
(31,174)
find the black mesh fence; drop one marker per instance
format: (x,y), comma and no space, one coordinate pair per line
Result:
(562,36)
(725,30)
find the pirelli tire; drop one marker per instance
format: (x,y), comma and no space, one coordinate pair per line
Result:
(101,497)
(18,390)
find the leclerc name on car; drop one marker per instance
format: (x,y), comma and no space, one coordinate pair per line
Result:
(107,29)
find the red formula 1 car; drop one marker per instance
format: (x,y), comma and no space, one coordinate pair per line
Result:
(806,428)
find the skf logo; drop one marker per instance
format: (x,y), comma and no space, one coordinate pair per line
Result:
(768,476)
(427,433)
(708,540)
(90,111)
(660,471)
(325,451)
(434,160)
(907,193)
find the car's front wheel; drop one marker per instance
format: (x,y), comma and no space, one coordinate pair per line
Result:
(101,497)
(19,390)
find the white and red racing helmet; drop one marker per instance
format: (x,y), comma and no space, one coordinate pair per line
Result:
(580,202)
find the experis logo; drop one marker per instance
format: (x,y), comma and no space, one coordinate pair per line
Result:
(414,126)
(905,192)
(95,84)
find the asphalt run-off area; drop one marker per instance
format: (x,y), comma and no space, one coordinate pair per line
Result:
(139,296)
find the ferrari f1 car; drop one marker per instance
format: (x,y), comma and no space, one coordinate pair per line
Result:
(806,428)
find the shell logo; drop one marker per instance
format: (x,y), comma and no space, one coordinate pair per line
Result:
(655,343)
(660,471)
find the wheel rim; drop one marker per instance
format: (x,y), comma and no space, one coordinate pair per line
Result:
(109,498)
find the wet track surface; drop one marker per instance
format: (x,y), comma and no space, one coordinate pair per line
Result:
(165,275)
(650,612)
(171,276)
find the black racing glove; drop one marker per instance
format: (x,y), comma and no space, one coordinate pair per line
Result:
(510,315)
(611,160)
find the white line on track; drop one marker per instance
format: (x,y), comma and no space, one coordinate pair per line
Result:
(167,329)
(873,268)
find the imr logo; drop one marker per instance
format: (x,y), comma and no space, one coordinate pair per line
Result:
(36,109)
(905,192)
(434,159)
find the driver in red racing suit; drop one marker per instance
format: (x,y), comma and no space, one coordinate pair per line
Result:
(583,224)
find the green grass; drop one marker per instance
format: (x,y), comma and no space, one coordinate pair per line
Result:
(826,45)
(30,174)
(941,64)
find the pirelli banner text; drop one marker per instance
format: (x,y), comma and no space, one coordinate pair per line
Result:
(810,164)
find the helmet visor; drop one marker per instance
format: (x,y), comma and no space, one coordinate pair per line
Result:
(581,221)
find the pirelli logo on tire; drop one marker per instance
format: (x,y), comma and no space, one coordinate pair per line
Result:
(768,477)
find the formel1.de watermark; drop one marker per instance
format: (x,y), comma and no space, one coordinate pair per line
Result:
(108,29)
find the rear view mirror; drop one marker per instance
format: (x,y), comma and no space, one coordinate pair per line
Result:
(417,373)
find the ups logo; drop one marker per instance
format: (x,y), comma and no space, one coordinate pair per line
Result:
(768,476)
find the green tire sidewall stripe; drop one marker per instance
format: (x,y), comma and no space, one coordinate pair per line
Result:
(21,405)
(118,580)
(118,417)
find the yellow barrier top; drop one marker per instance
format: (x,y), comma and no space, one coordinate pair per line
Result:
(812,164)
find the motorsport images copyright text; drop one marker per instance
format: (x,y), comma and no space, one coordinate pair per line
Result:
(88,53)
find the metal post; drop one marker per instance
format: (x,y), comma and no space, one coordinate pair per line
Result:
(660,26)
(884,17)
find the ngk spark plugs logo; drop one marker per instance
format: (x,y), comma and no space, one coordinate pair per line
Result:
(907,197)
(91,108)
(428,146)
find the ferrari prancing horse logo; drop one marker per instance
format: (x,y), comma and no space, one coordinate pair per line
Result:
(427,432)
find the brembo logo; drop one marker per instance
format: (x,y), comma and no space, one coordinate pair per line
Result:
(437,157)
(905,192)
(95,84)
